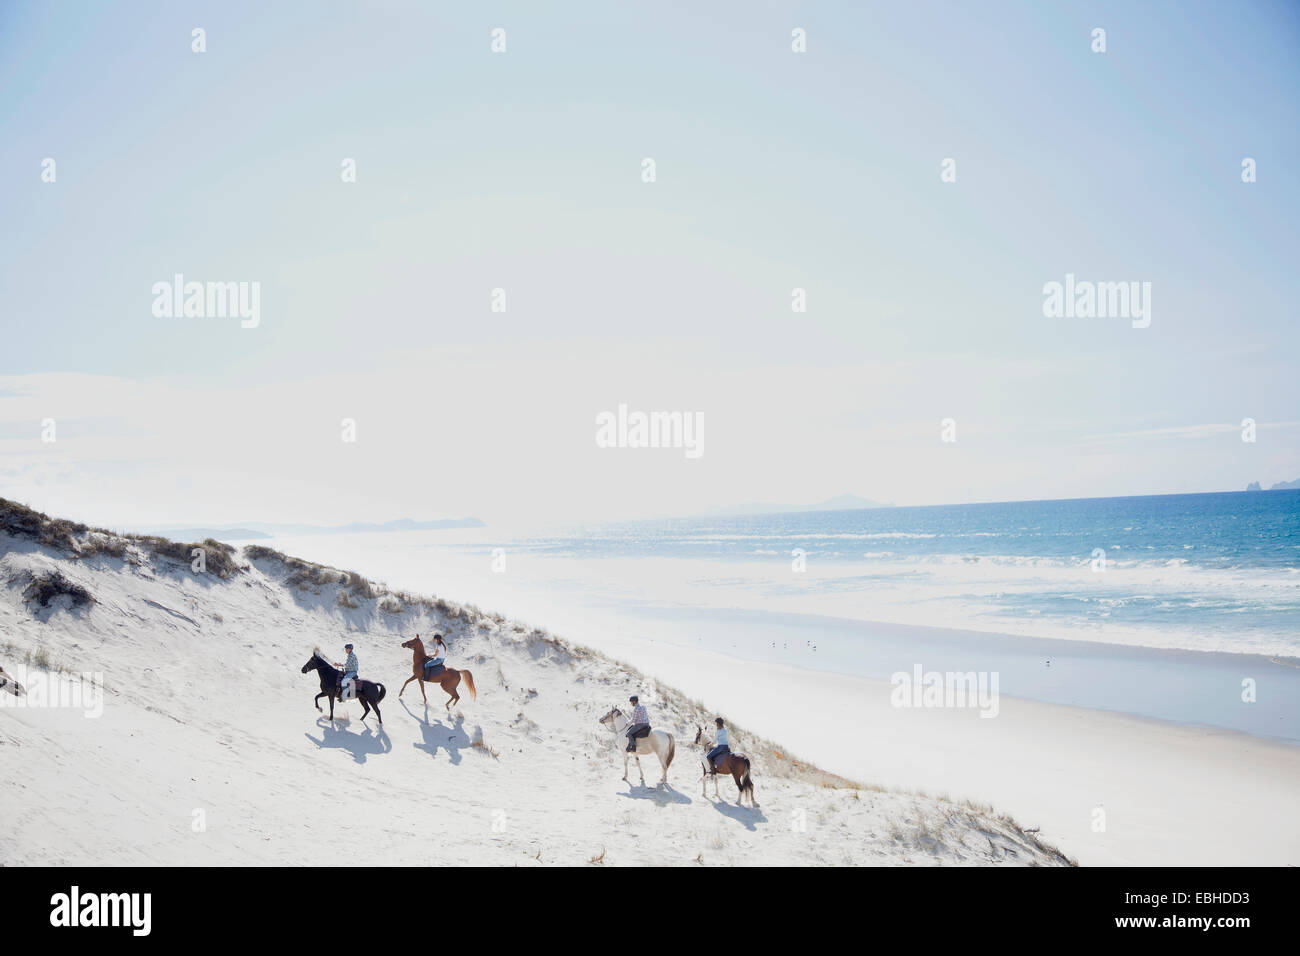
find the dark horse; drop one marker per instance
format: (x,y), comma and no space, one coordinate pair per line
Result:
(735,764)
(369,692)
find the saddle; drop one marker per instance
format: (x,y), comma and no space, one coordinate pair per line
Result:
(732,755)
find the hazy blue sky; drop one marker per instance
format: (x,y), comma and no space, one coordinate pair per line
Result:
(522,170)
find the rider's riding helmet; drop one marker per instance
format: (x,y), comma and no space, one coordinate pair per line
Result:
(347,647)
(633,699)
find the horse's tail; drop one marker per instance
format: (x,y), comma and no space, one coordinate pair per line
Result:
(748,782)
(469,682)
(672,751)
(382,691)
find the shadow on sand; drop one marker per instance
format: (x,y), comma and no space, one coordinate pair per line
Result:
(661,794)
(359,745)
(440,736)
(750,817)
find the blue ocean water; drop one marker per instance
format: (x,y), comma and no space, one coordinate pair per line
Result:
(1204,571)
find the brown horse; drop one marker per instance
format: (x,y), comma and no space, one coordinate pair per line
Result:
(448,680)
(735,764)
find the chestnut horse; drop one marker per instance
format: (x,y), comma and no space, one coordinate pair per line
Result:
(735,764)
(448,680)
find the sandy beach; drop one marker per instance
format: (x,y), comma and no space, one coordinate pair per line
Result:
(200,744)
(1172,794)
(206,714)
(1183,769)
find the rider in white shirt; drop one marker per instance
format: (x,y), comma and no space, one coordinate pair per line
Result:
(437,656)
(721,743)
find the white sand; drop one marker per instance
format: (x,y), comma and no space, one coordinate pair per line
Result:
(1171,794)
(207,719)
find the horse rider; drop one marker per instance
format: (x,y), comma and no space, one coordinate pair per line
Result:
(640,726)
(437,657)
(349,668)
(721,744)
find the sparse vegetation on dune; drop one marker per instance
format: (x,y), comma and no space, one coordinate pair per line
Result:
(76,540)
(913,824)
(218,557)
(23,522)
(42,588)
(355,588)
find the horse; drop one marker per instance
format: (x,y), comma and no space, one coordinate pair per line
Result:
(448,680)
(369,692)
(735,764)
(657,742)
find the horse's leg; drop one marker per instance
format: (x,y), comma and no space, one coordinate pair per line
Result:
(316,701)
(423,694)
(365,708)
(408,680)
(625,765)
(638,768)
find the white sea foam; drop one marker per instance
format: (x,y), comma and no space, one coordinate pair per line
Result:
(1155,603)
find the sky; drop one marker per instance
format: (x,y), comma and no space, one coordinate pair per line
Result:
(522,170)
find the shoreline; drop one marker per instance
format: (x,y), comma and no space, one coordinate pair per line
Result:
(1150,688)
(166,743)
(1171,793)
(1104,788)
(1184,685)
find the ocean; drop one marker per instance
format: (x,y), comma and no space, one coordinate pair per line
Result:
(1165,606)
(1197,572)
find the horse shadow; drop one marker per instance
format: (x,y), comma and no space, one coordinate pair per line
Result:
(438,735)
(661,794)
(749,817)
(360,746)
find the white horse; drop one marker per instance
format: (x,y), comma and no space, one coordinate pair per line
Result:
(10,686)
(657,742)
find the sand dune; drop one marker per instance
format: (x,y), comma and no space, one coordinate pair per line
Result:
(208,749)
